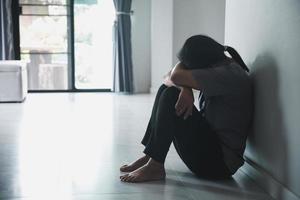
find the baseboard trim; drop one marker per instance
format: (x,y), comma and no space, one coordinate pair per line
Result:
(267,182)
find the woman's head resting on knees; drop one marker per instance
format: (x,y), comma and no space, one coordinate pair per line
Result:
(200,51)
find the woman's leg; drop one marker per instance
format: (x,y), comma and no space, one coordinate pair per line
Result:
(164,125)
(161,133)
(197,147)
(196,143)
(144,159)
(151,125)
(200,149)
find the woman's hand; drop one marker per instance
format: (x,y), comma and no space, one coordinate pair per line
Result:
(185,103)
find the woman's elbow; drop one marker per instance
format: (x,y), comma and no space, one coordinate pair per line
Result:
(175,78)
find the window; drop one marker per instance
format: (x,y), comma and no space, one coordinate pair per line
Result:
(67,49)
(44,42)
(93,23)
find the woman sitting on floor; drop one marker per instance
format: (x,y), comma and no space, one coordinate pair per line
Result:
(210,141)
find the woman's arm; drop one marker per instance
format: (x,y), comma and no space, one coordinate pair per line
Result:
(183,77)
(185,102)
(167,80)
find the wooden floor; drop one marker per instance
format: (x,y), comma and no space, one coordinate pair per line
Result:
(69,146)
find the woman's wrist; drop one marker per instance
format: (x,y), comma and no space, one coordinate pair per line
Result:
(186,89)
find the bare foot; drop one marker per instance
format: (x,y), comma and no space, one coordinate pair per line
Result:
(151,171)
(135,165)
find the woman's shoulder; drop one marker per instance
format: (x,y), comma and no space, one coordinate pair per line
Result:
(231,71)
(229,62)
(230,66)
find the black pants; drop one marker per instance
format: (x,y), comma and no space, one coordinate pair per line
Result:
(197,145)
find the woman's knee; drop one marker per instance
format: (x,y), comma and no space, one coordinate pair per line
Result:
(172,90)
(161,88)
(170,95)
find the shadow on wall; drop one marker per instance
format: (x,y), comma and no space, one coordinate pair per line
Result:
(267,146)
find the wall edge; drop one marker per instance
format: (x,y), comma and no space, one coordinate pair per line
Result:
(268,183)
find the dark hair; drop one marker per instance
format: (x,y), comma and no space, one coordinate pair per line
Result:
(236,57)
(201,51)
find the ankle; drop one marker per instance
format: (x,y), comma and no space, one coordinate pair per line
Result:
(155,163)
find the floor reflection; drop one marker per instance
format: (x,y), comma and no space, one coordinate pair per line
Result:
(70,146)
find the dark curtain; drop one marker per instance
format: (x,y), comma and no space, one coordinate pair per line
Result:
(7,44)
(123,75)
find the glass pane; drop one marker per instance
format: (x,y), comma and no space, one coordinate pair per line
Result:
(93,44)
(85,2)
(47,71)
(44,10)
(60,2)
(43,33)
(44,44)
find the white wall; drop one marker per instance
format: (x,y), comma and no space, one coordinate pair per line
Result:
(267,35)
(173,21)
(193,17)
(140,34)
(159,29)
(161,40)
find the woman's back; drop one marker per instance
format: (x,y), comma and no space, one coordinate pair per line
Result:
(227,90)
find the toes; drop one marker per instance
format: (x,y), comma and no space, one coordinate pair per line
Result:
(124,177)
(130,179)
(126,168)
(127,178)
(123,167)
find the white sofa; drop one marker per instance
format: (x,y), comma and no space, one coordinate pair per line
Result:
(13,81)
